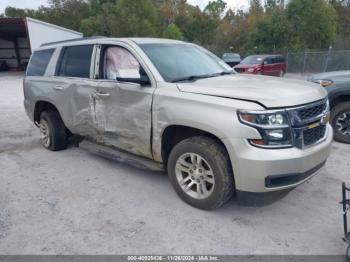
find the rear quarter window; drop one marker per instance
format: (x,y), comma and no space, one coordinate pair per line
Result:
(75,61)
(279,59)
(39,61)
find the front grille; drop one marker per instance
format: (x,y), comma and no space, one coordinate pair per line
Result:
(304,116)
(239,70)
(313,135)
(311,112)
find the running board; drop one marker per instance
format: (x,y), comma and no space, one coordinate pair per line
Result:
(121,156)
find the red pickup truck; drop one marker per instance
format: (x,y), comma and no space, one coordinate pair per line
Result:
(272,65)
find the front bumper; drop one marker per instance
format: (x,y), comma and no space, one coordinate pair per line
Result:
(265,170)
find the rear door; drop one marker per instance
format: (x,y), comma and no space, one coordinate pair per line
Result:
(268,66)
(273,66)
(123,109)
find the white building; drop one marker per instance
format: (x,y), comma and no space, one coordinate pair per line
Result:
(20,36)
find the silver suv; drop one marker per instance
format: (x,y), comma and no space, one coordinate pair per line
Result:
(170,104)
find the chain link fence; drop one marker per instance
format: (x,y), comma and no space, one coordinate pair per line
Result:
(318,61)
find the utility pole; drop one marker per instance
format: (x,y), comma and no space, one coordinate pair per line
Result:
(327,58)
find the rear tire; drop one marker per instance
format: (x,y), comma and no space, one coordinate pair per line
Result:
(210,172)
(53,131)
(340,120)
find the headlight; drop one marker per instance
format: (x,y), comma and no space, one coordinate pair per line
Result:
(324,82)
(273,126)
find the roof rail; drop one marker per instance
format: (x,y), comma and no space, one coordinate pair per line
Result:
(72,40)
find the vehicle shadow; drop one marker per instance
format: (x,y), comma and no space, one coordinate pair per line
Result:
(160,178)
(259,199)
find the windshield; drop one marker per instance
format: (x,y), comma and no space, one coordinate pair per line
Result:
(180,61)
(252,60)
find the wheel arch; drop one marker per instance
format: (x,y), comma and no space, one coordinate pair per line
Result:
(339,97)
(42,105)
(173,134)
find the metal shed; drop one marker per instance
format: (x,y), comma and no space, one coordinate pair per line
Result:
(20,36)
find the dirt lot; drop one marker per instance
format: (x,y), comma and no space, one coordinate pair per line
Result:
(72,202)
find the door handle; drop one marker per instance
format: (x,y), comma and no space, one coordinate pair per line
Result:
(103,94)
(58,88)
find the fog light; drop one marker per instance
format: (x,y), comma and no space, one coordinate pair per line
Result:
(275,134)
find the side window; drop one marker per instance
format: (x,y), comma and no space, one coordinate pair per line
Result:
(75,61)
(269,60)
(119,62)
(39,61)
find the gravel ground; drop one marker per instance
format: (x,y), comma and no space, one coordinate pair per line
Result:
(72,202)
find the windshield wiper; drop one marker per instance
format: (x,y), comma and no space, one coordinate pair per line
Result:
(225,73)
(192,78)
(196,77)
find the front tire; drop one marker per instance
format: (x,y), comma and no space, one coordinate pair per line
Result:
(53,131)
(340,120)
(199,169)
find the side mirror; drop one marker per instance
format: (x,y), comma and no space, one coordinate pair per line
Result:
(265,63)
(143,80)
(135,77)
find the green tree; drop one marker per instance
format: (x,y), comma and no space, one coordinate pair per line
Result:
(313,23)
(66,13)
(101,22)
(342,8)
(255,7)
(272,32)
(136,18)
(18,12)
(215,8)
(172,32)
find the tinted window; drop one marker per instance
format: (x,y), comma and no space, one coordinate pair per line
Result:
(253,60)
(271,60)
(278,59)
(38,62)
(76,61)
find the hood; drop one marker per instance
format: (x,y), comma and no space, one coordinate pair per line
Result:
(331,75)
(247,65)
(271,92)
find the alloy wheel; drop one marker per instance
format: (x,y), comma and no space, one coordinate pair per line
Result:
(194,175)
(343,123)
(44,133)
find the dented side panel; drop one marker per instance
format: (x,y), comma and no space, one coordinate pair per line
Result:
(123,117)
(76,103)
(211,114)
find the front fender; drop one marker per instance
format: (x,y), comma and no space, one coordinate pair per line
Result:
(214,115)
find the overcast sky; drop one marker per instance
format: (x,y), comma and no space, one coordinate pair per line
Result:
(32,4)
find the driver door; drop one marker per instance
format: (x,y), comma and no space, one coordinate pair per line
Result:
(123,109)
